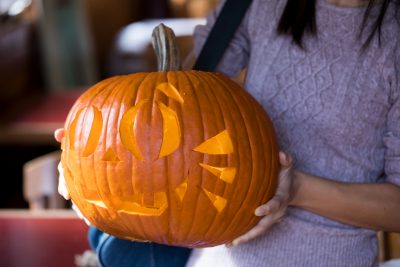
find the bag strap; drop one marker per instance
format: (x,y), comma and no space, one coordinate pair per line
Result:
(221,34)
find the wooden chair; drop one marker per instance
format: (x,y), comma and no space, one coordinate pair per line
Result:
(40,182)
(389,249)
(47,234)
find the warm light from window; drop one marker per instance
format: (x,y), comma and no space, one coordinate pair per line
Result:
(18,7)
(193,8)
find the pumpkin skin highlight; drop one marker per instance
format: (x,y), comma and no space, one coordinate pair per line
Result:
(180,158)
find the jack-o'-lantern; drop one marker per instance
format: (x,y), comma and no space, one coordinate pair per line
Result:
(173,157)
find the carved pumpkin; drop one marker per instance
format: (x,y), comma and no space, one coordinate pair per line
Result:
(174,157)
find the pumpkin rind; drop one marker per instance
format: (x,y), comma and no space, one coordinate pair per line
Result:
(176,197)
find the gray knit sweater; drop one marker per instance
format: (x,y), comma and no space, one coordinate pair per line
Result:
(335,109)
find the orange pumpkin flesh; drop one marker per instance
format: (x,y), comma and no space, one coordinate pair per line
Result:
(181,157)
(190,176)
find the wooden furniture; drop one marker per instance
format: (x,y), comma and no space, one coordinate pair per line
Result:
(40,182)
(37,239)
(66,44)
(389,246)
(27,132)
(35,122)
(19,63)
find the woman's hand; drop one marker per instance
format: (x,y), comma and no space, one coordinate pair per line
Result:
(62,186)
(274,210)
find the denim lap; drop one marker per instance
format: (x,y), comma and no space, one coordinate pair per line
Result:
(115,252)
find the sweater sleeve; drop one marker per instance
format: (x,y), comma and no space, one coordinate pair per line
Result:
(392,135)
(236,55)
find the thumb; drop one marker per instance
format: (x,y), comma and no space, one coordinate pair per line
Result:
(79,213)
(285,159)
(58,134)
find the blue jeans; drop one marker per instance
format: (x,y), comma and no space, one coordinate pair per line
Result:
(114,252)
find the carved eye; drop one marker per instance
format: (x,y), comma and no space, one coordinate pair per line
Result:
(92,122)
(153,204)
(171,129)
(218,145)
(126,130)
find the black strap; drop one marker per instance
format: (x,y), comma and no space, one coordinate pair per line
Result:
(221,34)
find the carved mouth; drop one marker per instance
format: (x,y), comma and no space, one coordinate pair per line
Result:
(135,208)
(135,204)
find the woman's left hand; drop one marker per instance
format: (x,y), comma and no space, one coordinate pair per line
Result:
(274,210)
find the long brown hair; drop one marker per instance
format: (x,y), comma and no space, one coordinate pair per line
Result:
(298,17)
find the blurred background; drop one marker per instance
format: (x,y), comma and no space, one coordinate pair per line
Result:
(50,52)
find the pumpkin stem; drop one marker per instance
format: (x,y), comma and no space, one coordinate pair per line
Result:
(166,49)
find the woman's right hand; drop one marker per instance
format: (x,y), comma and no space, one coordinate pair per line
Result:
(62,186)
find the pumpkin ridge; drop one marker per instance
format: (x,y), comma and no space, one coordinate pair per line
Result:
(270,161)
(255,135)
(180,110)
(131,101)
(120,94)
(113,92)
(198,111)
(141,90)
(165,159)
(170,184)
(205,79)
(214,124)
(231,226)
(127,98)
(130,97)
(169,235)
(270,141)
(259,123)
(201,78)
(233,109)
(91,100)
(163,226)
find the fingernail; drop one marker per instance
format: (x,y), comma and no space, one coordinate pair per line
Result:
(235,243)
(261,212)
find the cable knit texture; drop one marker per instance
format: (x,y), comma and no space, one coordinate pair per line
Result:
(336,109)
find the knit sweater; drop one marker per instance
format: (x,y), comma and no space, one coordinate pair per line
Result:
(335,108)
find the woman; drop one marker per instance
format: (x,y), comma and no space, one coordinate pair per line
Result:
(328,74)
